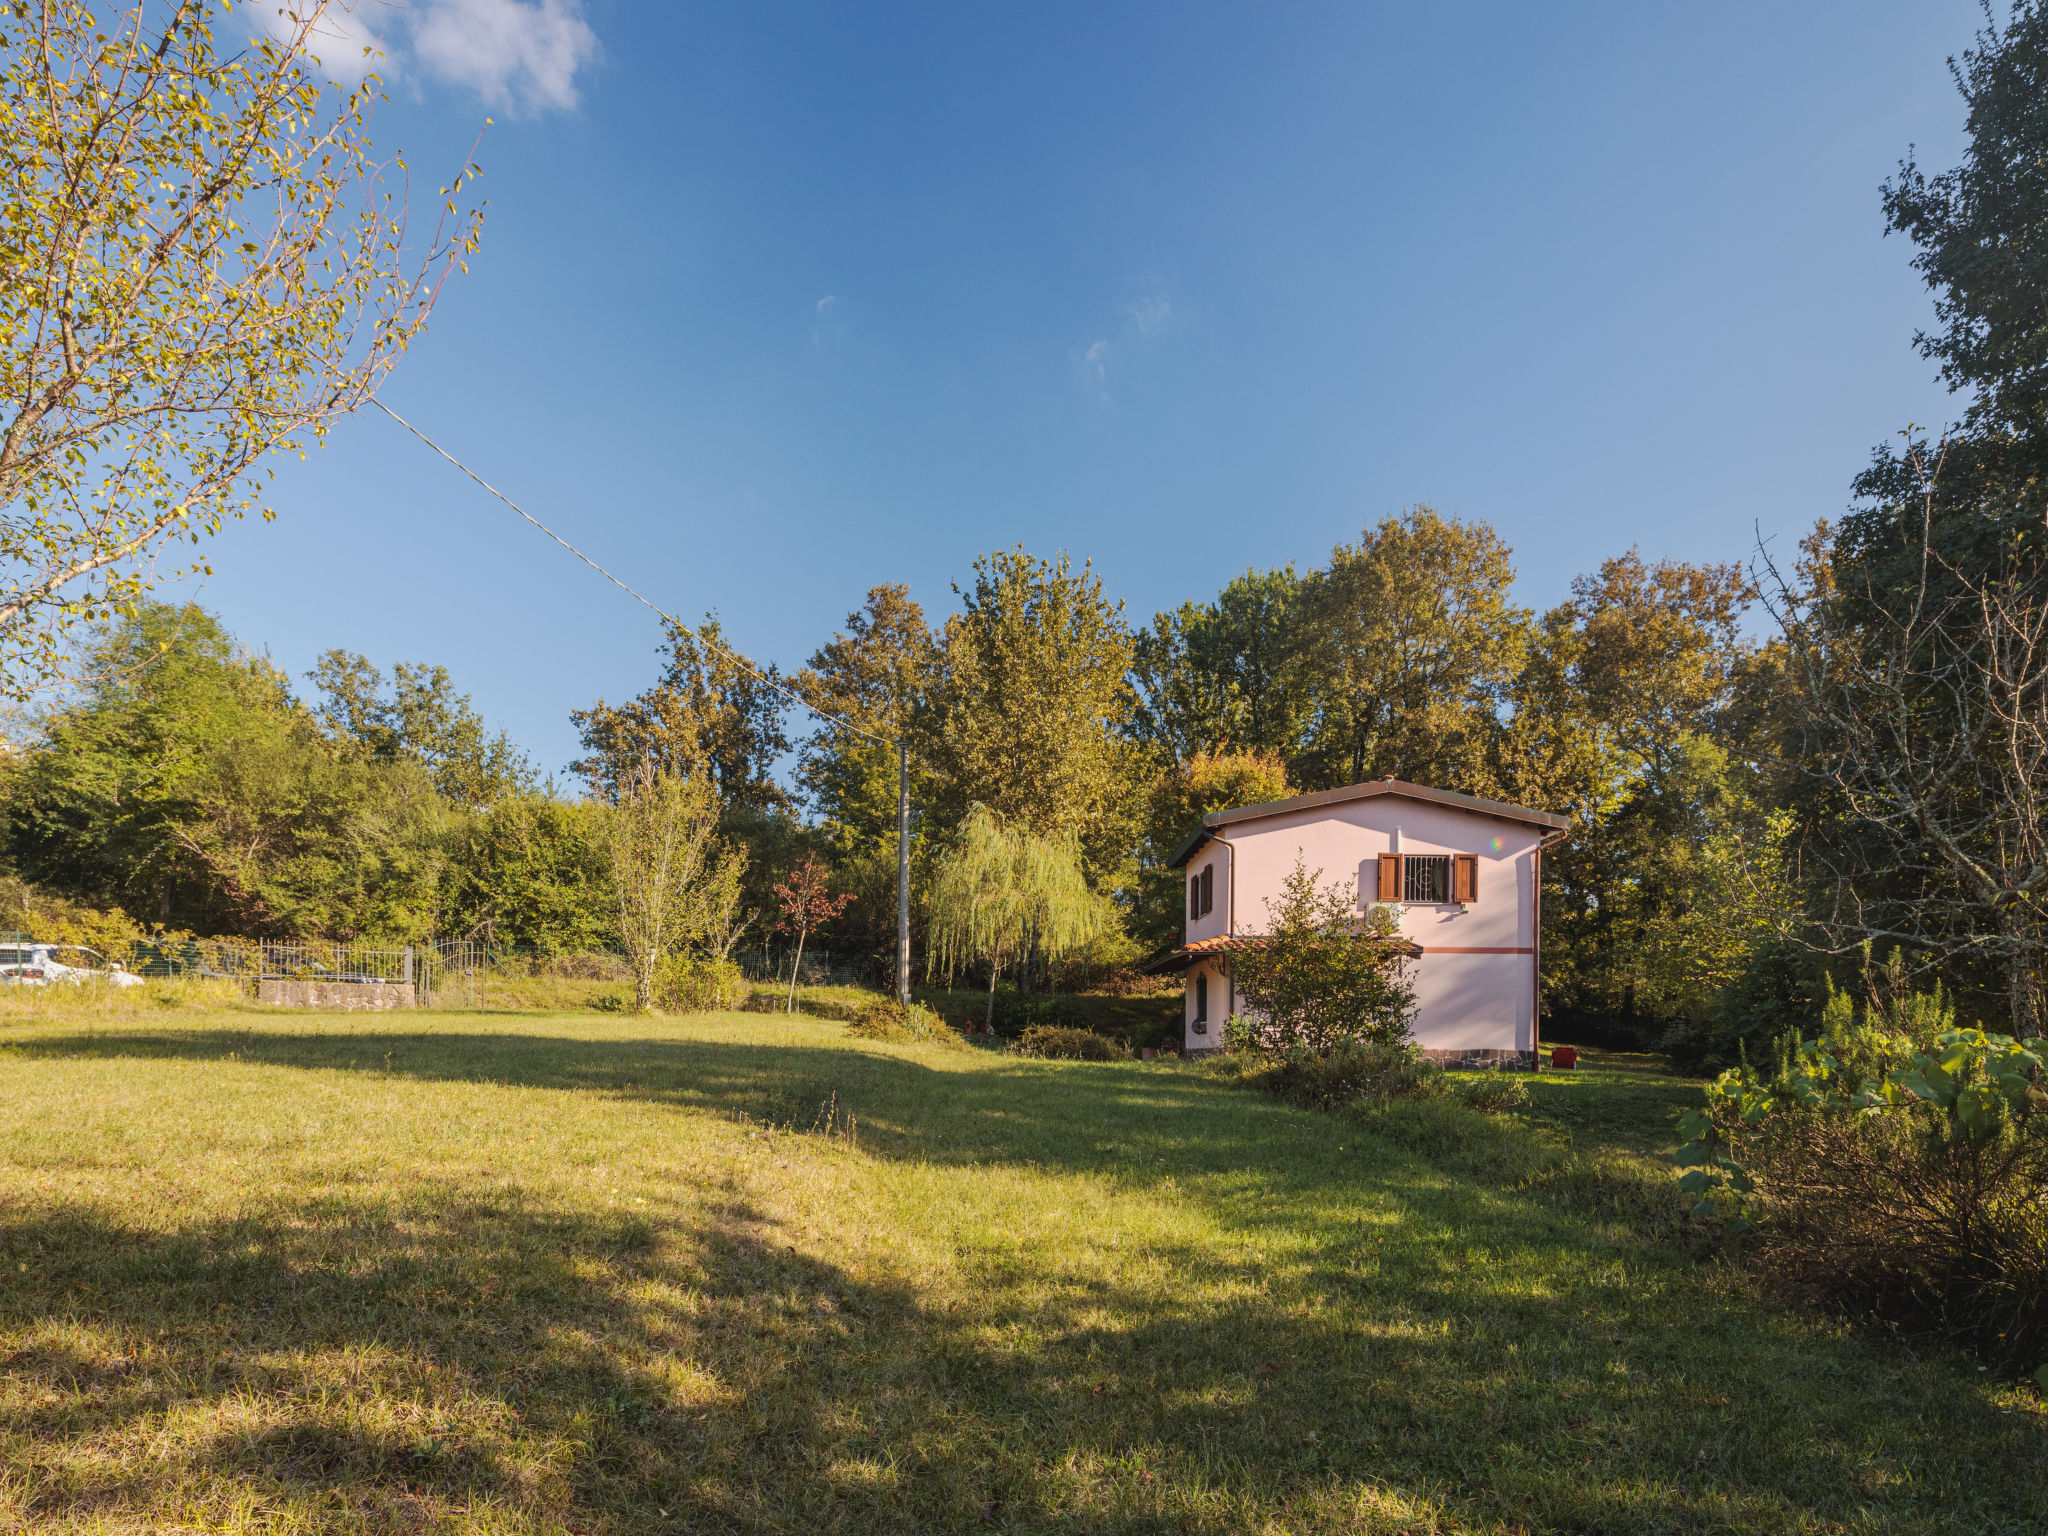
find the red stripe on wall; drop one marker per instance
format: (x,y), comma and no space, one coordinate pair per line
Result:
(1452,949)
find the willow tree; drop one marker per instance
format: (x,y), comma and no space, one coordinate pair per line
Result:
(201,265)
(1000,893)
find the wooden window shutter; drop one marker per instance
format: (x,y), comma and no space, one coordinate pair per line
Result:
(1208,889)
(1194,897)
(1201,999)
(1390,877)
(1465,877)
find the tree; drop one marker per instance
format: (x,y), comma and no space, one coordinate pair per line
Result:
(1923,704)
(187,786)
(424,720)
(1411,645)
(1027,710)
(874,676)
(533,870)
(806,901)
(1224,676)
(1000,891)
(669,868)
(1324,973)
(1180,798)
(202,267)
(712,713)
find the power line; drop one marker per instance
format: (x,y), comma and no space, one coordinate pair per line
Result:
(789,693)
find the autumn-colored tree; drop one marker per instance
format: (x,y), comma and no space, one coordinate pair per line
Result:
(1410,644)
(203,266)
(806,901)
(1180,798)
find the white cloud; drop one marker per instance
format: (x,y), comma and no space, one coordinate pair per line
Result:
(1149,313)
(510,53)
(514,54)
(1096,359)
(827,302)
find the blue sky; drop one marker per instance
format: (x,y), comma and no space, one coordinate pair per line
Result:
(779,301)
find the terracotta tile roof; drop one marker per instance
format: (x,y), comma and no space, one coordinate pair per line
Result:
(1180,959)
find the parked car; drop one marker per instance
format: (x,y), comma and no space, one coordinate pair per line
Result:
(38,965)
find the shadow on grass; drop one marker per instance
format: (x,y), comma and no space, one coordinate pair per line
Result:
(1428,1346)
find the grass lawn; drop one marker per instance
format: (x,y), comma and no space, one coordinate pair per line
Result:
(561,1273)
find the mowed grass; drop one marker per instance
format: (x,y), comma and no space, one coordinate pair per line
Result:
(557,1274)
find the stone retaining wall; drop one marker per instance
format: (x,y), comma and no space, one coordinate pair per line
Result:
(347,996)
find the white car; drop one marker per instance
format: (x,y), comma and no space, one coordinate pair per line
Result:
(37,965)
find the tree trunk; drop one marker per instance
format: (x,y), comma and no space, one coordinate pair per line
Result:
(643,984)
(2021,981)
(795,966)
(989,1023)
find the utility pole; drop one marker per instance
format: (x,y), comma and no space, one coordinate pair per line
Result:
(903,873)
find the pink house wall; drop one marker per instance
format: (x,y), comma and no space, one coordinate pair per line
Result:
(1475,981)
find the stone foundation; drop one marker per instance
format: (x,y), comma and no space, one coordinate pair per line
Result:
(346,996)
(1479,1061)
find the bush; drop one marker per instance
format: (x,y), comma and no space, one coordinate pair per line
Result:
(888,1019)
(1358,1070)
(1893,1166)
(1019,1012)
(695,984)
(1059,1043)
(1493,1092)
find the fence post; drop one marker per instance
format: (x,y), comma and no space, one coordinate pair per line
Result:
(408,965)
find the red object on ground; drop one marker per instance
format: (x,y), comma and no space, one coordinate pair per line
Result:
(1564,1058)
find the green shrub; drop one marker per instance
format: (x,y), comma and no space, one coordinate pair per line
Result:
(888,1019)
(1493,1092)
(1060,1043)
(1018,1012)
(1358,1070)
(1893,1166)
(696,984)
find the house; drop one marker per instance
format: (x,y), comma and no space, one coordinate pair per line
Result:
(1464,874)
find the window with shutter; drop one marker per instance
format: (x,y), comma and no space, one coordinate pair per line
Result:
(1426,878)
(1194,897)
(1390,877)
(1201,999)
(1465,878)
(1208,889)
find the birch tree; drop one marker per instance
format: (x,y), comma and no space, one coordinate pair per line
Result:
(669,869)
(201,266)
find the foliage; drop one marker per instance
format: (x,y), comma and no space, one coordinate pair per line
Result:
(1180,798)
(424,720)
(711,714)
(689,983)
(887,1019)
(1324,973)
(533,870)
(874,676)
(203,267)
(186,786)
(1056,1042)
(1224,677)
(671,874)
(806,901)
(51,919)
(1895,1163)
(1492,1092)
(1413,643)
(1356,1071)
(1026,712)
(1000,892)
